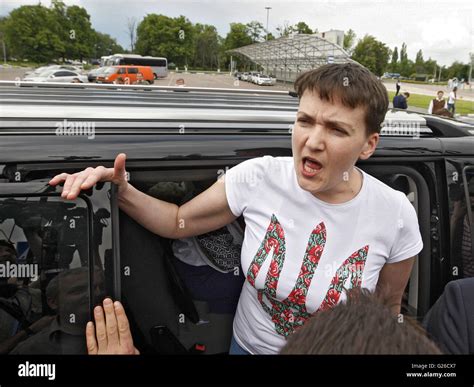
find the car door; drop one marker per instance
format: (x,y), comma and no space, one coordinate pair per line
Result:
(65,76)
(132,74)
(59,263)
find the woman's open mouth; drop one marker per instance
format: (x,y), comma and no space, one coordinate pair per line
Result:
(310,167)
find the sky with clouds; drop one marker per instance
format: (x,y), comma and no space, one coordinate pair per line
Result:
(443,30)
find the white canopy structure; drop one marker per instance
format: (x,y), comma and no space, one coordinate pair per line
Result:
(288,56)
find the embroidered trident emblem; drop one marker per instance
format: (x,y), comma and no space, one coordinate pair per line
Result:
(291,313)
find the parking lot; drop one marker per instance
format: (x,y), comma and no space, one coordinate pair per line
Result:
(192,79)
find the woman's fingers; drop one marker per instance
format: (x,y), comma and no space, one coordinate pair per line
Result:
(111,326)
(75,189)
(86,179)
(125,335)
(112,332)
(90,339)
(100,329)
(58,179)
(67,185)
(119,167)
(98,174)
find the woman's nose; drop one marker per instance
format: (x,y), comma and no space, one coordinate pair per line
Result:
(316,138)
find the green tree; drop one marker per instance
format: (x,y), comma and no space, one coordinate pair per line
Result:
(256,31)
(160,35)
(285,29)
(420,63)
(80,35)
(419,58)
(302,28)
(104,45)
(349,40)
(270,36)
(206,53)
(394,62)
(405,67)
(31,32)
(237,36)
(457,70)
(431,67)
(372,54)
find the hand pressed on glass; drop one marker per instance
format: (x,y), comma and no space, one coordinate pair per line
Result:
(111,335)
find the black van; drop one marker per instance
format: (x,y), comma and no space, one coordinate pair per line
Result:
(69,255)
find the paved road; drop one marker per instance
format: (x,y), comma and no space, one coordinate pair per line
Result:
(221,80)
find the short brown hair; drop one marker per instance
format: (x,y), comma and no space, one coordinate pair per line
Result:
(352,85)
(363,325)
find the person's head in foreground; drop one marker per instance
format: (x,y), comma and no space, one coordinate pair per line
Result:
(363,325)
(440,94)
(406,94)
(341,110)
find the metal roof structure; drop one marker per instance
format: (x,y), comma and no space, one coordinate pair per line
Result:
(287,56)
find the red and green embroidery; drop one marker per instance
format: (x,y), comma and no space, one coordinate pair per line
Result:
(291,313)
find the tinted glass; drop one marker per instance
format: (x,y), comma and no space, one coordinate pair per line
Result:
(44,275)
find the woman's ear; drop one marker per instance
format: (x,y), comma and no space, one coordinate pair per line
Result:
(369,146)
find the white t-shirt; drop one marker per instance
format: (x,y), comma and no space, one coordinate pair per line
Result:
(299,252)
(452,97)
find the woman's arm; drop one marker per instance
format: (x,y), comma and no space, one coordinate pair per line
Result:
(206,212)
(393,280)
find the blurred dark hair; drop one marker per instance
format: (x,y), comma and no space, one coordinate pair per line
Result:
(350,84)
(10,246)
(362,325)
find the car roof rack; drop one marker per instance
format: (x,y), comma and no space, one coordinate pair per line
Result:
(27,106)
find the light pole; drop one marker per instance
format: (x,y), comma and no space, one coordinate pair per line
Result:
(268,11)
(471,54)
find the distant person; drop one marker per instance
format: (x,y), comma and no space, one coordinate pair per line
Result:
(76,80)
(398,85)
(140,80)
(363,325)
(400,101)
(119,81)
(180,82)
(452,100)
(437,104)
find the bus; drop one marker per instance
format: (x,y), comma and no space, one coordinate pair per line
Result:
(104,59)
(159,65)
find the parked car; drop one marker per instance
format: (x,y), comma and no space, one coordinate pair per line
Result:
(57,75)
(177,144)
(93,74)
(128,74)
(244,76)
(262,80)
(253,77)
(42,69)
